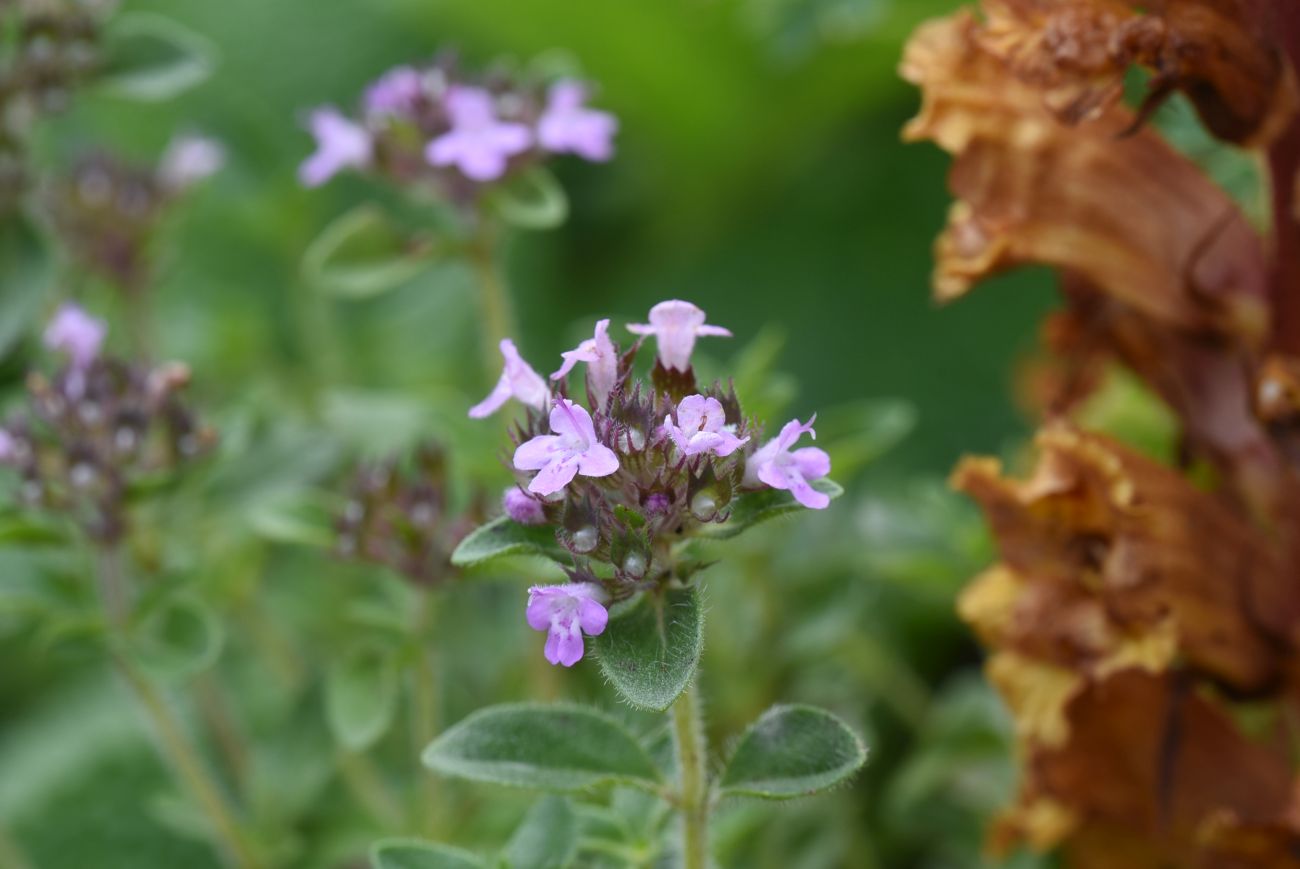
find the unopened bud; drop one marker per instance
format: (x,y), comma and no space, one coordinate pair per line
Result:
(634,565)
(585,539)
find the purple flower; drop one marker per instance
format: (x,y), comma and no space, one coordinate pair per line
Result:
(478,144)
(8,446)
(518,380)
(76,333)
(675,325)
(568,126)
(601,358)
(780,468)
(396,92)
(566,612)
(340,144)
(572,450)
(190,159)
(522,507)
(702,428)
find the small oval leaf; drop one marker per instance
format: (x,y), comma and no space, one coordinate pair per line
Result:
(503,536)
(151,58)
(28,270)
(363,253)
(419,854)
(651,647)
(531,200)
(554,748)
(750,508)
(180,637)
(361,695)
(547,838)
(792,751)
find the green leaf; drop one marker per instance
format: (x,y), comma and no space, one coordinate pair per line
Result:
(151,58)
(547,838)
(363,253)
(555,748)
(651,647)
(25,529)
(503,536)
(750,508)
(361,695)
(792,751)
(179,637)
(301,519)
(531,200)
(418,854)
(857,434)
(27,275)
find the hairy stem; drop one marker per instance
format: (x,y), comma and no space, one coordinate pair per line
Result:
(494,297)
(692,763)
(171,741)
(424,717)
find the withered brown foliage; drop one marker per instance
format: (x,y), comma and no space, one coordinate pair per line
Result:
(1142,625)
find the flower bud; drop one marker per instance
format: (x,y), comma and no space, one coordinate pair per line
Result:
(584,539)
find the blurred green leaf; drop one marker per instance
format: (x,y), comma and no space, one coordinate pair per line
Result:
(792,751)
(750,508)
(363,253)
(531,200)
(151,58)
(651,647)
(417,854)
(302,520)
(28,268)
(547,838)
(554,748)
(27,529)
(857,434)
(503,536)
(178,637)
(361,695)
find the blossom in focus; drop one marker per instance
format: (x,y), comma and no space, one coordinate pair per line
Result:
(395,92)
(566,612)
(675,325)
(781,468)
(568,126)
(76,333)
(701,427)
(572,450)
(340,144)
(522,507)
(518,380)
(601,358)
(190,159)
(478,144)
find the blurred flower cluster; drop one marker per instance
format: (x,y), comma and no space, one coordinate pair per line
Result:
(433,125)
(98,427)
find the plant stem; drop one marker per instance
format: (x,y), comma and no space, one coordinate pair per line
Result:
(223,728)
(493,295)
(369,789)
(171,740)
(424,717)
(688,736)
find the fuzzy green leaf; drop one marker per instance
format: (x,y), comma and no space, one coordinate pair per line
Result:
(750,508)
(533,200)
(148,57)
(792,751)
(178,638)
(28,270)
(651,647)
(418,854)
(503,536)
(547,838)
(364,253)
(361,695)
(555,748)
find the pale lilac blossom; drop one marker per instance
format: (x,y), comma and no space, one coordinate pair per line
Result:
(518,381)
(675,325)
(568,126)
(396,92)
(8,446)
(190,159)
(522,507)
(74,332)
(566,612)
(701,427)
(479,144)
(340,144)
(776,465)
(602,362)
(572,450)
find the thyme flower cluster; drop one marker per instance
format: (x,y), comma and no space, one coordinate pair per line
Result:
(434,125)
(98,427)
(642,466)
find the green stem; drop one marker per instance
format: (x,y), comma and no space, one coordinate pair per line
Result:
(369,789)
(498,319)
(224,728)
(424,718)
(688,737)
(172,742)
